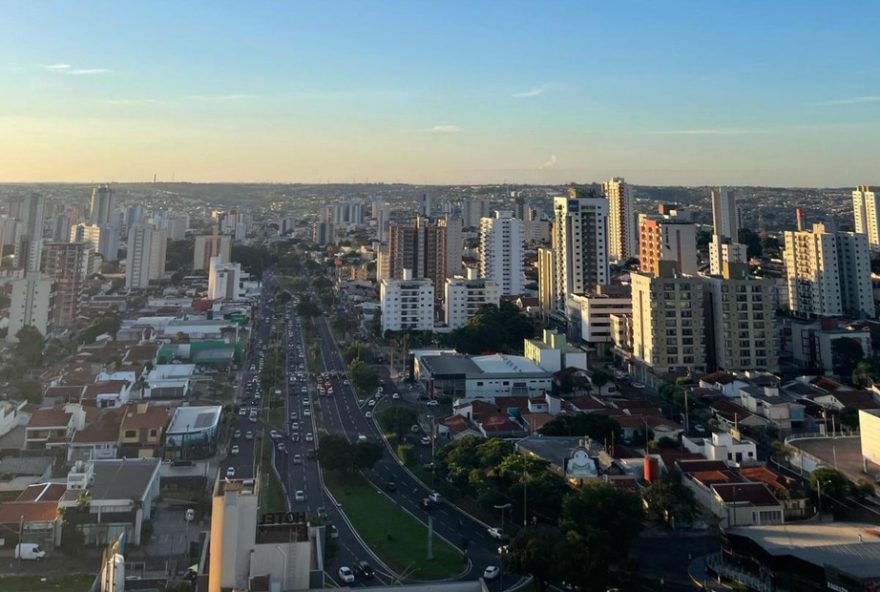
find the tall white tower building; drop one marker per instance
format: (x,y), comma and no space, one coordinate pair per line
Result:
(145,258)
(866,212)
(580,245)
(725,246)
(621,219)
(501,251)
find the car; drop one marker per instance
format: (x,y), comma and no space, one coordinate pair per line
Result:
(426,504)
(346,575)
(637,385)
(364,570)
(380,390)
(434,497)
(236,434)
(248,435)
(322,512)
(297,459)
(496,533)
(274,434)
(306,401)
(300,495)
(234,449)
(503,549)
(307,413)
(309,437)
(426,441)
(491,572)
(282,446)
(230,472)
(368,415)
(334,532)
(294,416)
(371,402)
(390,486)
(395,396)
(295,438)
(432,403)
(242,411)
(700,429)
(253,418)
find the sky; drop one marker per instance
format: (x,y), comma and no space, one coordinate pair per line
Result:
(776,93)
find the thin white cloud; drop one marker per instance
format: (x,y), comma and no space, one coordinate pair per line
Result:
(730,131)
(445,129)
(58,67)
(132,101)
(229,97)
(87,71)
(550,163)
(851,101)
(532,92)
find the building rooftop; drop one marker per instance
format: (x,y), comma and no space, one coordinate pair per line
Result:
(103,429)
(140,416)
(18,512)
(24,465)
(53,417)
(186,419)
(124,479)
(42,492)
(505,364)
(756,494)
(449,364)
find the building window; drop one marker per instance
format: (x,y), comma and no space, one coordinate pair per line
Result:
(131,434)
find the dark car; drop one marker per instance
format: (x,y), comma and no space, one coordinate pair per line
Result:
(310,454)
(391,486)
(364,570)
(426,504)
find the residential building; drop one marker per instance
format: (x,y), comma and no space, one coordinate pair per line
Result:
(742,334)
(381,213)
(407,304)
(812,341)
(68,265)
(474,210)
(671,236)
(668,329)
(465,297)
(451,247)
(30,213)
(224,280)
(589,315)
(96,440)
(728,447)
(553,353)
(621,219)
(208,246)
(103,239)
(52,427)
(547,280)
(723,250)
(580,245)
(32,304)
(192,432)
(33,515)
(102,206)
(282,552)
(828,273)
(536,230)
(142,430)
(145,259)
(501,251)
(120,493)
(424,247)
(725,214)
(866,214)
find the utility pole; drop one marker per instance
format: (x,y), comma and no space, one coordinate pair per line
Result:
(430,537)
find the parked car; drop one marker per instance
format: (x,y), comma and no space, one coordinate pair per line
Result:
(637,385)
(346,575)
(29,551)
(364,570)
(309,437)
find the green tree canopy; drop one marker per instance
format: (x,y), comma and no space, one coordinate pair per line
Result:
(827,482)
(307,308)
(846,353)
(397,420)
(363,376)
(530,551)
(29,349)
(596,426)
(598,507)
(499,328)
(752,241)
(670,501)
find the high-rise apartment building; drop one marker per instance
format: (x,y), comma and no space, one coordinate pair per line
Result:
(224,280)
(580,245)
(590,314)
(407,304)
(742,309)
(102,206)
(146,256)
(828,273)
(465,297)
(68,265)
(866,212)
(424,247)
(452,244)
(211,245)
(501,251)
(32,304)
(30,213)
(725,246)
(621,219)
(472,211)
(381,214)
(671,236)
(103,239)
(547,280)
(667,322)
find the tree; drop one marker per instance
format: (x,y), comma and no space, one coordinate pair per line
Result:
(752,241)
(29,349)
(335,453)
(704,237)
(596,426)
(363,376)
(670,501)
(849,418)
(600,378)
(27,390)
(397,420)
(770,245)
(846,353)
(307,308)
(365,455)
(530,552)
(494,328)
(105,324)
(827,482)
(321,282)
(864,373)
(598,507)
(354,351)
(179,255)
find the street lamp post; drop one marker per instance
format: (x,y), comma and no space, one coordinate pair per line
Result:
(503,508)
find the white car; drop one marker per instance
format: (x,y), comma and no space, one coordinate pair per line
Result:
(368,415)
(432,403)
(230,472)
(434,497)
(496,533)
(491,572)
(234,449)
(395,396)
(371,402)
(310,437)
(300,495)
(638,385)
(346,575)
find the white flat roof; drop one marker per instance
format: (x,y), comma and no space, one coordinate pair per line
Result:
(505,364)
(189,419)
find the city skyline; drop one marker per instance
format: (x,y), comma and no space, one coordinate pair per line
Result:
(674,94)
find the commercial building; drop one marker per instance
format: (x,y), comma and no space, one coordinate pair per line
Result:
(866,214)
(407,304)
(465,297)
(211,245)
(741,335)
(192,432)
(670,235)
(501,251)
(145,259)
(254,550)
(32,304)
(224,280)
(589,315)
(553,353)
(668,330)
(103,239)
(68,265)
(481,377)
(621,219)
(828,273)
(869,434)
(580,245)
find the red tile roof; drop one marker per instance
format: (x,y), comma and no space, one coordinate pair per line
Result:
(49,418)
(136,417)
(42,492)
(856,399)
(14,512)
(756,494)
(718,378)
(68,393)
(586,403)
(695,466)
(105,387)
(103,429)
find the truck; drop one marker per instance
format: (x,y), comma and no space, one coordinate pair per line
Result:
(29,551)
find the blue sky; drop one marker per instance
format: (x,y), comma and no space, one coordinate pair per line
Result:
(774,93)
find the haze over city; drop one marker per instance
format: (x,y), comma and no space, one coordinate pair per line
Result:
(671,93)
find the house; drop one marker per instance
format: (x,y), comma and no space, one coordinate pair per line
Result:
(51,427)
(746,504)
(728,447)
(457,426)
(19,472)
(34,514)
(97,440)
(574,459)
(107,393)
(796,503)
(105,498)
(168,381)
(733,415)
(142,430)
(780,411)
(192,432)
(10,415)
(63,394)
(844,399)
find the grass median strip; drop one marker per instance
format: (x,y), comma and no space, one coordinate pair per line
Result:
(394,535)
(271,492)
(45,583)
